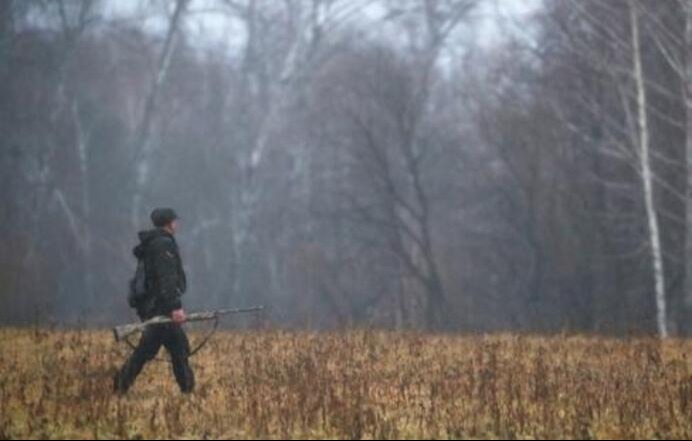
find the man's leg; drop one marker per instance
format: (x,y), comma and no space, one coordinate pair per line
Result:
(148,348)
(178,346)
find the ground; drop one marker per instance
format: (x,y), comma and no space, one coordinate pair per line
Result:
(351,385)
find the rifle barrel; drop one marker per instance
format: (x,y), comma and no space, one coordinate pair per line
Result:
(122,332)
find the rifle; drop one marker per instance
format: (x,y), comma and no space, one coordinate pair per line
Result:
(121,333)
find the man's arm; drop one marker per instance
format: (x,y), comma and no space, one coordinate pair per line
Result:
(165,265)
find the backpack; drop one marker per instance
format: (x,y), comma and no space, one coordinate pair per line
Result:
(139,297)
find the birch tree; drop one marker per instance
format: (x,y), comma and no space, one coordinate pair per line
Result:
(285,42)
(75,19)
(143,143)
(644,152)
(611,107)
(629,137)
(687,93)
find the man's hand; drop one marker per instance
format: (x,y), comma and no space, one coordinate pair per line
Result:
(178,317)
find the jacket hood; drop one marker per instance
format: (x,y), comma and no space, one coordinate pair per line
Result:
(144,238)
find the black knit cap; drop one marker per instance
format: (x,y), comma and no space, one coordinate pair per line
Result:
(163,216)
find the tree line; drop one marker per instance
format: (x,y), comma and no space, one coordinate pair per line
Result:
(353,163)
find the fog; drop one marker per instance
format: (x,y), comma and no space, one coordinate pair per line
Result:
(445,165)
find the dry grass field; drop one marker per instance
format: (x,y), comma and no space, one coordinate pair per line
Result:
(351,385)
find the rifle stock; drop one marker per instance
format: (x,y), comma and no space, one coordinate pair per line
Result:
(122,332)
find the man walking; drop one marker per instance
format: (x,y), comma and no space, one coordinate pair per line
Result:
(165,284)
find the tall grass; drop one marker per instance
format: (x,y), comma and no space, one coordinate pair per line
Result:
(352,385)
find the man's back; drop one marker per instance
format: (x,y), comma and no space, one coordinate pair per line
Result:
(166,281)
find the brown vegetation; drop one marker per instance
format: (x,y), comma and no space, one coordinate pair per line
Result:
(352,385)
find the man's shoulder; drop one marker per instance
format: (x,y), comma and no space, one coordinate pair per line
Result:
(163,243)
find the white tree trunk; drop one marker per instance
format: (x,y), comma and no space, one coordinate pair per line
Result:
(82,140)
(143,143)
(280,90)
(688,109)
(644,137)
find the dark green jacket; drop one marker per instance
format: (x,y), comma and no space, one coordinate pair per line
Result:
(166,281)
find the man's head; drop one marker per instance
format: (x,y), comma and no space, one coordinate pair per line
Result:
(165,218)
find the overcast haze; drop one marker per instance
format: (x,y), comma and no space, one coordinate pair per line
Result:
(493,20)
(456,165)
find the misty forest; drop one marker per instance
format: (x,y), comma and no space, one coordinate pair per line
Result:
(441,165)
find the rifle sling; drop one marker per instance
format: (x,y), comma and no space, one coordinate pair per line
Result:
(207,338)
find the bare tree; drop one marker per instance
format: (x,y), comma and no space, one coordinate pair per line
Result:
(75,19)
(687,72)
(629,137)
(644,153)
(390,149)
(285,43)
(143,147)
(352,162)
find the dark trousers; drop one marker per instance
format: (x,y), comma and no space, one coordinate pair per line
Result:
(173,338)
